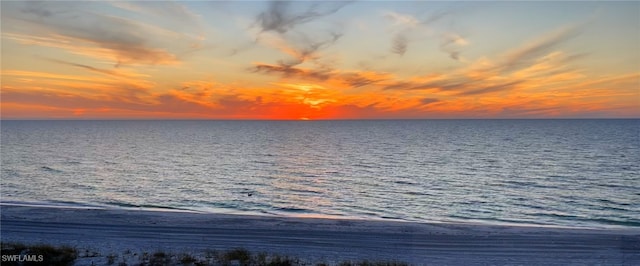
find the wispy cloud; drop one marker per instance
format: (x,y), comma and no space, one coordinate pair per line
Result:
(114,72)
(407,28)
(364,78)
(184,22)
(451,43)
(399,45)
(73,27)
(279,16)
(289,71)
(479,78)
(79,84)
(171,10)
(404,25)
(118,53)
(301,47)
(542,44)
(427,101)
(280,27)
(402,20)
(343,79)
(492,88)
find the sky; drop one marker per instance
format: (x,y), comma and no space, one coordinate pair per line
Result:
(309,60)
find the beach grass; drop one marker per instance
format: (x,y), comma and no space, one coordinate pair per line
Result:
(65,255)
(39,254)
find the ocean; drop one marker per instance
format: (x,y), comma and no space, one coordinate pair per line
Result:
(576,173)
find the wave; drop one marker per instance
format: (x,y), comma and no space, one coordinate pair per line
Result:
(587,221)
(630,223)
(50,169)
(403,182)
(52,204)
(127,205)
(426,176)
(293,209)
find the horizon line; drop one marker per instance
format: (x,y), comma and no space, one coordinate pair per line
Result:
(312,120)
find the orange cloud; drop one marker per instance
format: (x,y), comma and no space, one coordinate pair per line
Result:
(312,79)
(118,53)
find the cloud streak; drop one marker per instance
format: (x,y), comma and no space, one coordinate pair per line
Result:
(111,72)
(542,44)
(400,43)
(290,72)
(408,28)
(451,43)
(427,101)
(71,27)
(281,26)
(280,18)
(492,88)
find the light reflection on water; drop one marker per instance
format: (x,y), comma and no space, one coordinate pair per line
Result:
(563,172)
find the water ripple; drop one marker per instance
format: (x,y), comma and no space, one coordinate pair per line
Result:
(560,172)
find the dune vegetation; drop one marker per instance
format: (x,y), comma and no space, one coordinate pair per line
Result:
(43,254)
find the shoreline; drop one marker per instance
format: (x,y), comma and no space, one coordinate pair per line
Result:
(317,239)
(285,215)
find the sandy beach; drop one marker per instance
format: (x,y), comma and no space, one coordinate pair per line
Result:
(107,231)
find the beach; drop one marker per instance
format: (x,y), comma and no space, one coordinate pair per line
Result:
(117,231)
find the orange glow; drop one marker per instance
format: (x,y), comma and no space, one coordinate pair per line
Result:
(312,61)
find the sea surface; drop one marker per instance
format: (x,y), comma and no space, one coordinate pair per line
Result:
(577,173)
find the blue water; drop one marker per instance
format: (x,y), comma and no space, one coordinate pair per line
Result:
(547,172)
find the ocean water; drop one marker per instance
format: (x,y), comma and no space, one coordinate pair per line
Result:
(545,172)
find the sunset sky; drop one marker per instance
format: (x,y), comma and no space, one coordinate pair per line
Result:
(319,60)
